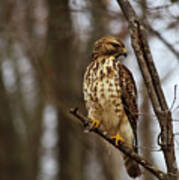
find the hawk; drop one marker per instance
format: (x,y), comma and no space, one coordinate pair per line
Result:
(110,96)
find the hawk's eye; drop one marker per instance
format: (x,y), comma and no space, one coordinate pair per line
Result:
(115,45)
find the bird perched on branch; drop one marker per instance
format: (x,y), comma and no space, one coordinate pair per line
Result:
(110,96)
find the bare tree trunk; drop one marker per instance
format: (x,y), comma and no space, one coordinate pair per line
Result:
(10,161)
(61,60)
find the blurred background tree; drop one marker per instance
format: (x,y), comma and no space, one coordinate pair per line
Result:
(45,47)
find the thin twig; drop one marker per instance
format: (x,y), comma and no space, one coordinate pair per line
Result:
(159,7)
(175,97)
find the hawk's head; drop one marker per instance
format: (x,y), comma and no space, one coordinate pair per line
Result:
(108,46)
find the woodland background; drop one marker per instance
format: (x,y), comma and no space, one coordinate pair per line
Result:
(45,47)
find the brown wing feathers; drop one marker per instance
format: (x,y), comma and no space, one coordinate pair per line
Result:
(129,95)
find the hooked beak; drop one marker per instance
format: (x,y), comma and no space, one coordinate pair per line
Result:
(124,52)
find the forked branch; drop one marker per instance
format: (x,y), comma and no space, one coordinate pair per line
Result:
(152,82)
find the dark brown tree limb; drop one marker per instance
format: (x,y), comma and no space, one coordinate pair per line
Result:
(122,147)
(151,78)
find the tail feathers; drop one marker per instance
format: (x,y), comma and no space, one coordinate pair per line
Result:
(132,167)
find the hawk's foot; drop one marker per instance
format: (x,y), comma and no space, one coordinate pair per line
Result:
(117,139)
(94,124)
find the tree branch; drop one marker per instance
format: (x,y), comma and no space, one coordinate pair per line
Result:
(151,78)
(122,147)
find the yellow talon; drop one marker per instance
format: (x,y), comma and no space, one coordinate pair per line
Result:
(94,124)
(117,139)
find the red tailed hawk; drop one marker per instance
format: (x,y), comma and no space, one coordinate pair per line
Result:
(110,96)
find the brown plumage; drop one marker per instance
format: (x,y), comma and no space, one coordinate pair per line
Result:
(110,95)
